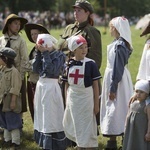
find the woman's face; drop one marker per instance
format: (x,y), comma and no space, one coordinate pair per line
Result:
(80,14)
(81,52)
(34,34)
(113,31)
(14,27)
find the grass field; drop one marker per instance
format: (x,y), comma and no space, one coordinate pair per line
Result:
(138,43)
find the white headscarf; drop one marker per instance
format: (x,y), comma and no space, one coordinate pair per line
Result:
(143,85)
(123,27)
(75,41)
(46,39)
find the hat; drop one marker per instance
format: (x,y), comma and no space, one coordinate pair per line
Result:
(146,30)
(143,85)
(75,41)
(12,17)
(30,26)
(46,39)
(8,52)
(84,4)
(123,27)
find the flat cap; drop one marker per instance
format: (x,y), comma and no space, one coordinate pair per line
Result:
(8,52)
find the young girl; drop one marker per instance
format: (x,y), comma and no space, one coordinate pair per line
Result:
(10,78)
(11,38)
(82,96)
(137,132)
(48,102)
(32,31)
(117,85)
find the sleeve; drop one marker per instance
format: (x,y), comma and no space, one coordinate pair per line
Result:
(53,65)
(143,65)
(23,57)
(93,37)
(37,63)
(121,59)
(16,82)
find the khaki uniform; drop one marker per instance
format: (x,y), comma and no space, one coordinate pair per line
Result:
(90,33)
(18,44)
(10,79)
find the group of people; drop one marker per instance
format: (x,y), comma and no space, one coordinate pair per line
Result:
(65,97)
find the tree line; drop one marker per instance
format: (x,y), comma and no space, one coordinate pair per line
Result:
(127,8)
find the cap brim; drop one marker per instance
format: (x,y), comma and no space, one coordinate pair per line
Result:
(29,27)
(146,30)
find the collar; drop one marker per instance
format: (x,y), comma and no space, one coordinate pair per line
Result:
(81,25)
(13,37)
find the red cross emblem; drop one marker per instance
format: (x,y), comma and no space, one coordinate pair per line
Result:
(41,41)
(76,76)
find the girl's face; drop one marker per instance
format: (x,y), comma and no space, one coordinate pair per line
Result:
(140,95)
(81,52)
(14,27)
(34,34)
(113,31)
(2,63)
(80,14)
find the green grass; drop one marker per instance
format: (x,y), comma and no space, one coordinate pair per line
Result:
(138,43)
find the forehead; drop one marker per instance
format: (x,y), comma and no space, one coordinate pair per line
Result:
(15,21)
(35,31)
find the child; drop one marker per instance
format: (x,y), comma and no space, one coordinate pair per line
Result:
(137,132)
(32,31)
(117,84)
(48,102)
(10,78)
(82,96)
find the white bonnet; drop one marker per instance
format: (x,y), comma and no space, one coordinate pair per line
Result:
(143,85)
(75,41)
(46,39)
(123,27)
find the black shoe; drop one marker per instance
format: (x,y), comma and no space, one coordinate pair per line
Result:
(6,144)
(14,147)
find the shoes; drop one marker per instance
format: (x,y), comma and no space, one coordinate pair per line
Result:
(5,145)
(14,147)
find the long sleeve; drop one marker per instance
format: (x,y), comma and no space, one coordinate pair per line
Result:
(121,59)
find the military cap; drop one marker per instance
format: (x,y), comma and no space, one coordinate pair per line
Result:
(8,52)
(85,5)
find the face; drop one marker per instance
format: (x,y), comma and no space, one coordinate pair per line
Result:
(81,52)
(80,14)
(14,27)
(140,95)
(113,31)
(34,34)
(2,63)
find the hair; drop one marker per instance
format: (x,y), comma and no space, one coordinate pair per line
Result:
(90,19)
(9,61)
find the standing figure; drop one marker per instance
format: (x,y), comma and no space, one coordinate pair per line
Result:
(11,38)
(48,102)
(32,31)
(137,128)
(117,84)
(84,25)
(144,67)
(10,80)
(82,96)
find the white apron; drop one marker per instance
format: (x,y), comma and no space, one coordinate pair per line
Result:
(48,106)
(79,120)
(113,113)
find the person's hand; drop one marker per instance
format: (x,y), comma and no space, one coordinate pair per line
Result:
(112,96)
(42,48)
(12,104)
(147,137)
(132,99)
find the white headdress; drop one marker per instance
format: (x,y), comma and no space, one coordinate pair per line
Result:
(75,41)
(46,39)
(123,27)
(143,85)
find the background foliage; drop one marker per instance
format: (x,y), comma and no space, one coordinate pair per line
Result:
(128,8)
